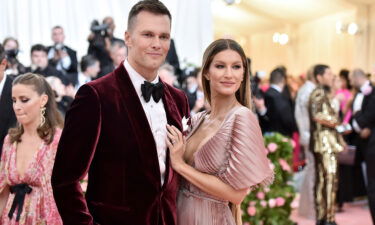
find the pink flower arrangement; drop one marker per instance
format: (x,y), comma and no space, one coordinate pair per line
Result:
(263,203)
(272,202)
(260,195)
(251,210)
(284,165)
(272,147)
(252,203)
(280,201)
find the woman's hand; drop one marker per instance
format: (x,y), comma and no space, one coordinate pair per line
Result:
(176,144)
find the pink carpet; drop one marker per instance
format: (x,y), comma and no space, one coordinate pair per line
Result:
(356,213)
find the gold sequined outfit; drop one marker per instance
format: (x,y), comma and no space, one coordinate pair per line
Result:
(325,143)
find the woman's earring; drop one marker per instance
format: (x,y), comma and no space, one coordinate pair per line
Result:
(42,117)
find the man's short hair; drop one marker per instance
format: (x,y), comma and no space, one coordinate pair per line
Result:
(319,70)
(38,47)
(87,61)
(277,76)
(2,53)
(57,27)
(152,6)
(359,73)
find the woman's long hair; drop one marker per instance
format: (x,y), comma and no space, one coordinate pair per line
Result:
(243,94)
(52,115)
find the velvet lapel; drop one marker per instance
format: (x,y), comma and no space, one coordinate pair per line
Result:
(174,118)
(140,126)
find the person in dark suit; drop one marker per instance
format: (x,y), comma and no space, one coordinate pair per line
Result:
(60,56)
(277,115)
(7,116)
(116,132)
(39,64)
(118,54)
(363,123)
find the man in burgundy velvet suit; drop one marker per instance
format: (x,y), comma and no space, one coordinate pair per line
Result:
(116,130)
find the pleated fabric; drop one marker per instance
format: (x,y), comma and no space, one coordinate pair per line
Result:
(236,155)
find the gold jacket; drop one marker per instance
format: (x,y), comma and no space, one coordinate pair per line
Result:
(324,139)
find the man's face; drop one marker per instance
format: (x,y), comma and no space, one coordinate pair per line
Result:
(148,41)
(58,35)
(118,55)
(94,69)
(111,25)
(355,81)
(327,78)
(39,58)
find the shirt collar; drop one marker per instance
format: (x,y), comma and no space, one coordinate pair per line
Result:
(2,83)
(136,78)
(365,86)
(82,79)
(277,88)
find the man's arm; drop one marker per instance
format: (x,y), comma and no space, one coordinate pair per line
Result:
(74,155)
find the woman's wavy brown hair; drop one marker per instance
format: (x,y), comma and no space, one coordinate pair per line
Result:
(243,94)
(52,115)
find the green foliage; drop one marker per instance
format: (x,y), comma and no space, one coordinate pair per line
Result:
(272,205)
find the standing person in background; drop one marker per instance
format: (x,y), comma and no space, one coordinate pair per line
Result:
(12,49)
(28,155)
(90,68)
(118,53)
(306,203)
(60,56)
(121,120)
(325,143)
(363,124)
(7,117)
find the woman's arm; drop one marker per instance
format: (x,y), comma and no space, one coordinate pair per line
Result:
(207,183)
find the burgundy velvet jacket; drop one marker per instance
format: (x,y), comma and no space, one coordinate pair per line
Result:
(107,135)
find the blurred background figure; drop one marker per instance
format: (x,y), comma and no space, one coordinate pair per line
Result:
(192,87)
(90,68)
(100,40)
(306,203)
(118,53)
(39,64)
(7,117)
(60,56)
(166,74)
(11,48)
(62,97)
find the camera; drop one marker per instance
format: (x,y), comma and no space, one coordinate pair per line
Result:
(59,47)
(12,53)
(99,29)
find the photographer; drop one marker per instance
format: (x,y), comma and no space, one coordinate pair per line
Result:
(11,47)
(100,40)
(60,56)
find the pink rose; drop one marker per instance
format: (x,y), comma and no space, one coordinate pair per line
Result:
(252,203)
(284,165)
(263,203)
(251,210)
(260,195)
(280,201)
(272,202)
(266,189)
(272,147)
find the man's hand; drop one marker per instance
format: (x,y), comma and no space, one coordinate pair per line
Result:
(365,133)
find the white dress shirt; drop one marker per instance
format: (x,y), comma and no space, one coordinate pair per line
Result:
(357,105)
(63,63)
(155,114)
(82,79)
(2,82)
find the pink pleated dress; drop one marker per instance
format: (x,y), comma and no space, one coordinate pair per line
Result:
(236,155)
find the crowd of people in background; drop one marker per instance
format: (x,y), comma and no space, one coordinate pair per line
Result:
(282,104)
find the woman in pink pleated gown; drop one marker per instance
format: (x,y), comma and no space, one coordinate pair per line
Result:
(223,156)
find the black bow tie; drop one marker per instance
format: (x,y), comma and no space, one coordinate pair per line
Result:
(156,90)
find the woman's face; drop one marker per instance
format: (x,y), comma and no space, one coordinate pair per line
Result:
(27,104)
(225,73)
